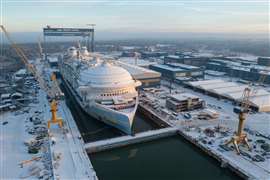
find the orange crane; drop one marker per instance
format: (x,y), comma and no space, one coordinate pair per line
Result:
(53,91)
(29,161)
(240,137)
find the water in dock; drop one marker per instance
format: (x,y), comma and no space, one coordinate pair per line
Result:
(166,158)
(169,158)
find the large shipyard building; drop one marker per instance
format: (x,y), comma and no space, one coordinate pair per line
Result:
(264,61)
(177,71)
(250,71)
(154,54)
(147,77)
(186,59)
(260,101)
(137,62)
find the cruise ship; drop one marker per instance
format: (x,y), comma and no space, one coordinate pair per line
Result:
(105,91)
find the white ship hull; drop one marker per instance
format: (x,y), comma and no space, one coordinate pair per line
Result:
(117,119)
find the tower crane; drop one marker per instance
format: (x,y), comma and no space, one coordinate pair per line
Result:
(40,50)
(240,137)
(53,91)
(242,111)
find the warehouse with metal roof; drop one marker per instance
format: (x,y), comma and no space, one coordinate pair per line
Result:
(259,98)
(148,78)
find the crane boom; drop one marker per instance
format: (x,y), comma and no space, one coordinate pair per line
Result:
(40,48)
(53,92)
(15,46)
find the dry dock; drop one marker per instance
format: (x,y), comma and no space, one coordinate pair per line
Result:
(128,140)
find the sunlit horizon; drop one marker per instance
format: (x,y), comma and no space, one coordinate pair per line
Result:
(197,16)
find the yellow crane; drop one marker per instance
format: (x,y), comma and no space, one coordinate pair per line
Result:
(53,91)
(240,137)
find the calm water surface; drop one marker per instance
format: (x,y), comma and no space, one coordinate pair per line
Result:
(169,158)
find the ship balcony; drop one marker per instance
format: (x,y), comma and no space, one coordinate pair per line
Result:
(118,105)
(121,107)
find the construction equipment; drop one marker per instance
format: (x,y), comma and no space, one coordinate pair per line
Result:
(52,91)
(55,119)
(242,111)
(240,137)
(29,161)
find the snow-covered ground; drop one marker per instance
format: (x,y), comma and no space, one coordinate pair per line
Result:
(62,154)
(73,161)
(13,150)
(257,123)
(256,170)
(69,159)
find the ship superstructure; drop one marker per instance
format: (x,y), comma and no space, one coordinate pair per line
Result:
(105,91)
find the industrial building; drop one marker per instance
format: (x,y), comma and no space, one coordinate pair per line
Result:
(190,60)
(138,62)
(250,71)
(147,54)
(259,99)
(177,71)
(147,77)
(184,102)
(264,61)
(53,61)
(128,54)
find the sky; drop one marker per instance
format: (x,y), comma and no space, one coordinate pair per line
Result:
(140,16)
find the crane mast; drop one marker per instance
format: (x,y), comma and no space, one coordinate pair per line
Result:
(240,137)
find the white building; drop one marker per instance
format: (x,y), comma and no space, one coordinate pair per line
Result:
(259,99)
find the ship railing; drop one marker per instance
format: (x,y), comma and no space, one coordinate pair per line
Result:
(122,106)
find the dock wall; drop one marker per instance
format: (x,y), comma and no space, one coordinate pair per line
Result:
(152,116)
(214,154)
(224,163)
(103,145)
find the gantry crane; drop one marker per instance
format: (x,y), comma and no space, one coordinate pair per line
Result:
(53,91)
(240,137)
